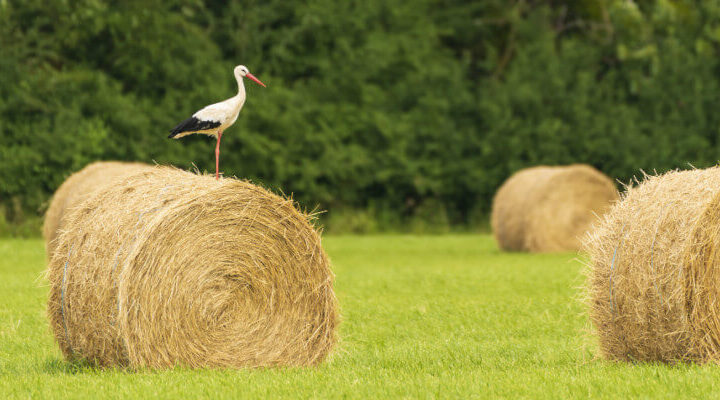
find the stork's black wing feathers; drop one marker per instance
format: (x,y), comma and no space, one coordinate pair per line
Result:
(193,124)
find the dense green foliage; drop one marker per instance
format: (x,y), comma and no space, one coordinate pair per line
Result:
(426,317)
(407,110)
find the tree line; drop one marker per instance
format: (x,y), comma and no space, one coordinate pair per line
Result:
(386,113)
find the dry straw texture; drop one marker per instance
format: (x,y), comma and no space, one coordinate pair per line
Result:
(654,275)
(546,209)
(171,268)
(78,187)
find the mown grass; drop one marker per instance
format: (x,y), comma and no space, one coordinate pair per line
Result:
(423,317)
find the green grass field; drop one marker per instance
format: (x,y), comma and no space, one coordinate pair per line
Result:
(423,317)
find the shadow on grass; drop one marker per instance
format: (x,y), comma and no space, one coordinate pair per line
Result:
(58,366)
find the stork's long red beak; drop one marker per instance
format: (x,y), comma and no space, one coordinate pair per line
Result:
(251,76)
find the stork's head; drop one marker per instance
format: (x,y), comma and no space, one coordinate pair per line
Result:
(243,71)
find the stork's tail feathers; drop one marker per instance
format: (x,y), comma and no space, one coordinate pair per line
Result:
(191,125)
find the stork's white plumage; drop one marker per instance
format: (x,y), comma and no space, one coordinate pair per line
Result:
(215,118)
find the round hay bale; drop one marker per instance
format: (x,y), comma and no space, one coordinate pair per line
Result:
(548,209)
(77,188)
(171,268)
(654,272)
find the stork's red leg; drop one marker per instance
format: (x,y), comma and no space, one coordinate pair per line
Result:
(217,156)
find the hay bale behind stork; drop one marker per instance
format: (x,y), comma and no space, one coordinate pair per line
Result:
(78,187)
(654,273)
(545,209)
(170,268)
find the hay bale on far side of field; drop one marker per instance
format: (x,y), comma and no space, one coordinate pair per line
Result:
(546,209)
(654,272)
(78,187)
(171,268)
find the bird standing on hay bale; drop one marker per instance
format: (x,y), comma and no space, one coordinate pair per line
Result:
(214,119)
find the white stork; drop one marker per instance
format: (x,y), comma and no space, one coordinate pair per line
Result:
(215,118)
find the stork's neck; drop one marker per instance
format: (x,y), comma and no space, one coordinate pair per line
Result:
(241,88)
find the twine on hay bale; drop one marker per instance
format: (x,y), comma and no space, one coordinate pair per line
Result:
(171,268)
(546,209)
(77,188)
(654,272)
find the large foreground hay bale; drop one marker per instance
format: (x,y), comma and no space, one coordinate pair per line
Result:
(654,276)
(168,267)
(546,209)
(78,187)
